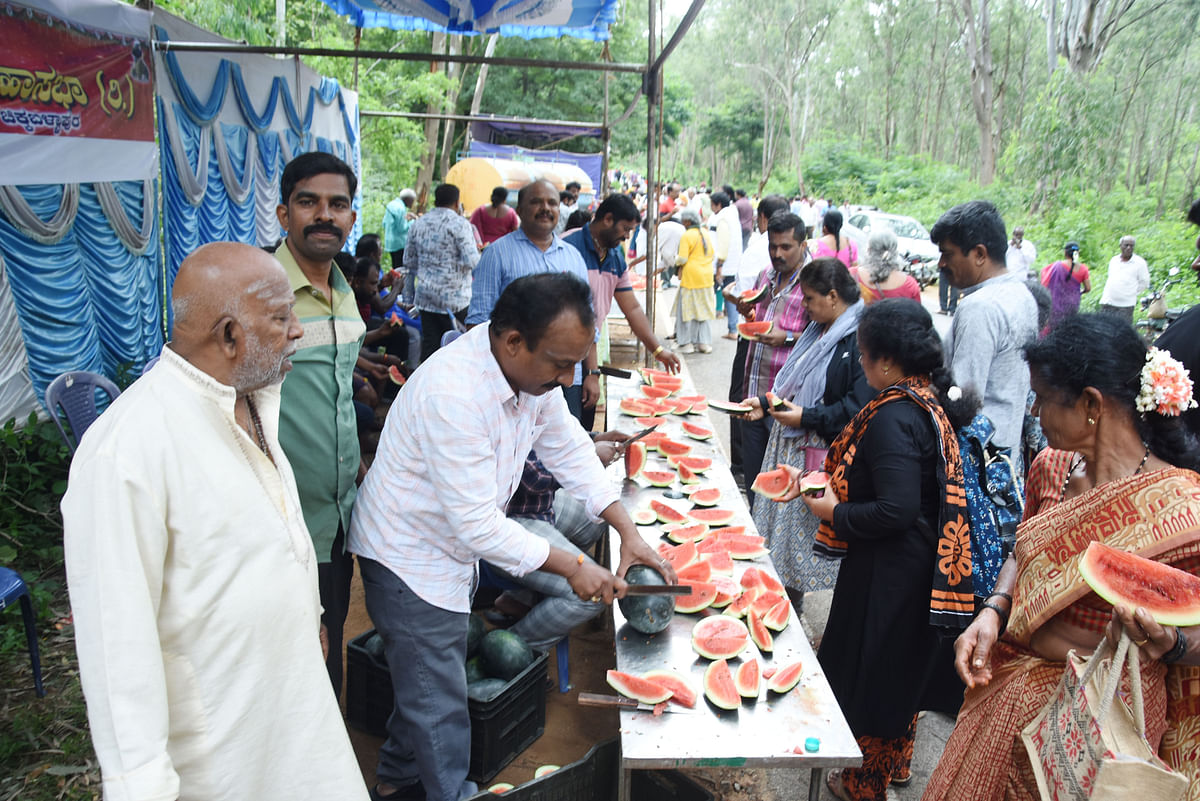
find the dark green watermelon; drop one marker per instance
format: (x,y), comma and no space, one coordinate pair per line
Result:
(374,648)
(475,671)
(475,631)
(504,654)
(648,614)
(485,689)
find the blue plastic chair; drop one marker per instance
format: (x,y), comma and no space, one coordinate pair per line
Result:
(12,588)
(491,577)
(75,393)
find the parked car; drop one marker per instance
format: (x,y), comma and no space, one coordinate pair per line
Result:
(920,254)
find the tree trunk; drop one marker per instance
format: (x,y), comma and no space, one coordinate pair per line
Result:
(480,81)
(455,73)
(977,28)
(425,173)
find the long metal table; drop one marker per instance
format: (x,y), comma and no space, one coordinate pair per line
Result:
(771,731)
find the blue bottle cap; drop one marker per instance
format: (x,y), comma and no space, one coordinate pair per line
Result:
(812,744)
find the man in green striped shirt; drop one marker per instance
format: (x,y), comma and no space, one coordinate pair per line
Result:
(316,422)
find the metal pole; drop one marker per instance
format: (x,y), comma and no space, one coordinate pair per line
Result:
(387,55)
(650,81)
(604,165)
(418,115)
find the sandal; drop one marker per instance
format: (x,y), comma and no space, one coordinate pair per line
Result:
(834,782)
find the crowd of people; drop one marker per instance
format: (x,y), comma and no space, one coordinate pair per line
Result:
(210,634)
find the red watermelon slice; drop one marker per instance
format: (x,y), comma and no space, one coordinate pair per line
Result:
(656,393)
(681,691)
(719,637)
(719,687)
(711,544)
(679,556)
(669,448)
(701,597)
(659,478)
(714,516)
(747,678)
(696,432)
(697,572)
(692,533)
(680,407)
(667,513)
(637,688)
(704,497)
(729,531)
(635,407)
(727,591)
(743,603)
(785,678)
(759,633)
(721,562)
(687,476)
(778,618)
(649,422)
(772,483)
(396,376)
(635,460)
(697,464)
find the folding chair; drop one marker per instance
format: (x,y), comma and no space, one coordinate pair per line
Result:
(75,392)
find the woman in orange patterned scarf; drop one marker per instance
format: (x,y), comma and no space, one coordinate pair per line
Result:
(1113,473)
(895,511)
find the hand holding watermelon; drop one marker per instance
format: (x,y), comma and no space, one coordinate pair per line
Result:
(635,550)
(1152,638)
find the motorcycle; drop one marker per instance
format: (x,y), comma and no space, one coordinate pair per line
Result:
(1158,315)
(924,270)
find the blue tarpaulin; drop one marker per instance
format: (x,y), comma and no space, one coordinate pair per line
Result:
(527,19)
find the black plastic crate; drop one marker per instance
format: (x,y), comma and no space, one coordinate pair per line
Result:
(500,728)
(592,778)
(665,785)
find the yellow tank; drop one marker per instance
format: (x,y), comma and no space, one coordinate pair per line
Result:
(477,177)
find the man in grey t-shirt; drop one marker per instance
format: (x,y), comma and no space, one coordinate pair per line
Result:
(996,316)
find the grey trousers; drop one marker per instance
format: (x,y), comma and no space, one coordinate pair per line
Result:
(429,731)
(560,609)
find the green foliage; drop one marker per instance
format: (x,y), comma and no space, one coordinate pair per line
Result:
(33,477)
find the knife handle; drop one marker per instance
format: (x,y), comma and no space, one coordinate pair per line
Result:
(607,701)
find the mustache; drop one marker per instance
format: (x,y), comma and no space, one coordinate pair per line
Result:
(324,228)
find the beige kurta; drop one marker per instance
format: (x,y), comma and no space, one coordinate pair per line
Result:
(194,593)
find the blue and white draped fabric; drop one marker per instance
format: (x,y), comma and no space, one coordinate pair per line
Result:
(81,279)
(527,19)
(227,127)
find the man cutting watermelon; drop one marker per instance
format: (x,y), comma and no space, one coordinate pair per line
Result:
(433,504)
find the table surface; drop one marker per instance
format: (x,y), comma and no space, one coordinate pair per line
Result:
(770,731)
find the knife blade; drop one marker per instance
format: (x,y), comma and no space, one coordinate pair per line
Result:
(615,372)
(640,434)
(659,589)
(620,702)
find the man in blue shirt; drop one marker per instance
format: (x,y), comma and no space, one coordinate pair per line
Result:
(533,248)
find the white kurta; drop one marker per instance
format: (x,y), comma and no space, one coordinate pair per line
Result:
(193,587)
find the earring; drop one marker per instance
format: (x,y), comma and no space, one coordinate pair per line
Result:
(1091,421)
(885,370)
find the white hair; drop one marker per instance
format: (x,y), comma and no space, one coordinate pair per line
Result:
(882,256)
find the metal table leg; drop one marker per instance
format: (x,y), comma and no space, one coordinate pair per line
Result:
(816,778)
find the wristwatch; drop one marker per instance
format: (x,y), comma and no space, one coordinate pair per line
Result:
(790,340)
(594,372)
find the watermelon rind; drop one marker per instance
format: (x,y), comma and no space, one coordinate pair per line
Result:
(780,615)
(545,770)
(785,678)
(747,678)
(648,614)
(752,331)
(719,688)
(635,687)
(813,483)
(772,483)
(1169,595)
(718,637)
(500,788)
(729,408)
(682,692)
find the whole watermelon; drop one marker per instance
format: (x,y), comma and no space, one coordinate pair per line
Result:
(504,654)
(648,614)
(475,631)
(485,689)
(475,670)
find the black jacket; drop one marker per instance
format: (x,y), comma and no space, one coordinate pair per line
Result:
(846,391)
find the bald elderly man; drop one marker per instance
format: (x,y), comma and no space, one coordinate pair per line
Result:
(193,580)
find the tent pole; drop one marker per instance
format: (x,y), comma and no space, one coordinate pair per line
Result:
(607,132)
(650,83)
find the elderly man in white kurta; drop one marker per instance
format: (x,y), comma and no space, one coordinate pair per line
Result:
(193,580)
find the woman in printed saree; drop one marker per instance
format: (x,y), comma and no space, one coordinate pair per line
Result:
(1118,470)
(895,514)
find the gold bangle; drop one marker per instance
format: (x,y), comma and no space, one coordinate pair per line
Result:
(657,351)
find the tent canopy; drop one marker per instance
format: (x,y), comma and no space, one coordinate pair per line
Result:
(527,19)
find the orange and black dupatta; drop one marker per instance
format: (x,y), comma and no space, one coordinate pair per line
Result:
(951,599)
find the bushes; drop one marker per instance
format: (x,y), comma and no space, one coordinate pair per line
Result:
(33,476)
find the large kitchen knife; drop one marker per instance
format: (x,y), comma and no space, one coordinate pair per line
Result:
(659,589)
(620,702)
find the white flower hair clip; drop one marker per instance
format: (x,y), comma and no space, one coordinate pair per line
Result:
(1166,385)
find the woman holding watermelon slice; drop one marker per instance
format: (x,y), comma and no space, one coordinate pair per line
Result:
(1119,470)
(895,515)
(819,389)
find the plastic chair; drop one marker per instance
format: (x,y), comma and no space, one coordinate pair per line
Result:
(450,336)
(12,588)
(491,577)
(75,392)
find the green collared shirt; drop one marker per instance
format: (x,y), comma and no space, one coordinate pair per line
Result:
(317,426)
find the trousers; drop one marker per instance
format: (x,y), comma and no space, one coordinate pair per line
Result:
(429,730)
